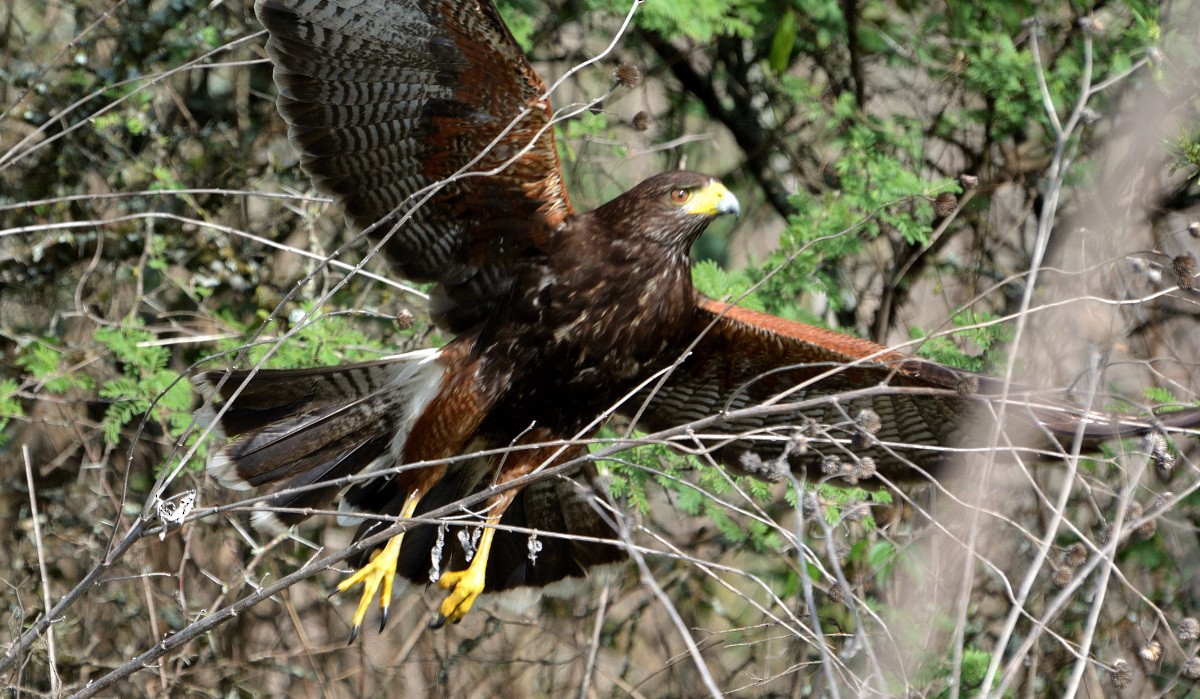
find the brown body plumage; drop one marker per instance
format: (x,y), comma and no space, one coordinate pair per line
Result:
(425,121)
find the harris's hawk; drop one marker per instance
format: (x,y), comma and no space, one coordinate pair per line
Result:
(425,121)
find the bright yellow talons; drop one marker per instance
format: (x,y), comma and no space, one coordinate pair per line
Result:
(381,571)
(467,584)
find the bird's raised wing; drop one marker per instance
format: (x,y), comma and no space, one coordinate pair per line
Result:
(758,387)
(386,98)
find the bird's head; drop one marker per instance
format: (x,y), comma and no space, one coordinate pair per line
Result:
(670,209)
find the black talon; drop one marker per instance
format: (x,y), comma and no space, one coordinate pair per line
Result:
(383,617)
(438,623)
(353,635)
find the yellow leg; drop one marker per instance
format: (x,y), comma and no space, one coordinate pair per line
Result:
(381,570)
(467,584)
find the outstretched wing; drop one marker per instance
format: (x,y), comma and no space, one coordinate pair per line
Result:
(385,99)
(759,387)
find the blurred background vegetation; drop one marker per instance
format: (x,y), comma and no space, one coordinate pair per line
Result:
(902,167)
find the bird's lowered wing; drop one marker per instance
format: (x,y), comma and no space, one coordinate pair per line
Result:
(756,386)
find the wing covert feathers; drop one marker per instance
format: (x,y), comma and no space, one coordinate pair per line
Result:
(387,99)
(826,401)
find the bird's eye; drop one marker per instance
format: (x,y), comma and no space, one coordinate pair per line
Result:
(680,196)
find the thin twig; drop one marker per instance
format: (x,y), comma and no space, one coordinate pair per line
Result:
(55,680)
(594,647)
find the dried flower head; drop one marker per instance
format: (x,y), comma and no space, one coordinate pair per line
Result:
(865,468)
(1163,501)
(1184,267)
(628,75)
(1091,23)
(836,593)
(1076,555)
(1146,529)
(868,421)
(772,471)
(1194,229)
(945,204)
(1151,652)
(404,319)
(831,466)
(968,181)
(1062,577)
(1121,673)
(1191,669)
(642,121)
(797,444)
(1156,445)
(1188,631)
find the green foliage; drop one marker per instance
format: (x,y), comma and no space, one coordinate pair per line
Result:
(880,193)
(834,499)
(46,364)
(988,337)
(938,670)
(146,386)
(1186,149)
(1162,396)
(654,464)
(584,127)
(319,339)
(10,406)
(699,20)
(783,41)
(716,282)
(521,18)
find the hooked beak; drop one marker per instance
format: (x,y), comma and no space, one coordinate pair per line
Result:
(714,199)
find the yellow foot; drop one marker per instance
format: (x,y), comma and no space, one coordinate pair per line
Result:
(381,570)
(467,585)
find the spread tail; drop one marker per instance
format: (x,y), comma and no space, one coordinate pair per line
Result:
(298,428)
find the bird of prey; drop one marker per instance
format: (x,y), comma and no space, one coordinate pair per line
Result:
(431,130)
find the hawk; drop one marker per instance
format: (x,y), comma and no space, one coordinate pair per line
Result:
(427,124)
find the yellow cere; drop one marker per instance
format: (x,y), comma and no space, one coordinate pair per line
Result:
(713,199)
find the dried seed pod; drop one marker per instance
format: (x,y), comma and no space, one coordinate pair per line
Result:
(1062,577)
(1076,555)
(1121,673)
(404,319)
(968,181)
(945,204)
(642,121)
(628,75)
(1194,229)
(1188,631)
